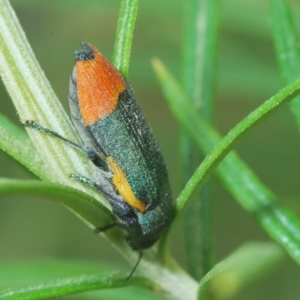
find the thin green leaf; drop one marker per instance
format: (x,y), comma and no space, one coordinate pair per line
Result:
(199,60)
(88,208)
(20,148)
(249,263)
(34,99)
(93,212)
(123,41)
(186,114)
(15,130)
(239,132)
(43,280)
(199,53)
(287,47)
(66,286)
(280,224)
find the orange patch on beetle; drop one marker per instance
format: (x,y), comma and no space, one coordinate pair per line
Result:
(99,85)
(123,187)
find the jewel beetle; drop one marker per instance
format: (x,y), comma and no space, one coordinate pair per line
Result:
(131,172)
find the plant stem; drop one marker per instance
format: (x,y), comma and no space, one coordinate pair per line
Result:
(124,35)
(198,72)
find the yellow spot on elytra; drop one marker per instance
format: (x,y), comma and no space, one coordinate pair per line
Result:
(123,187)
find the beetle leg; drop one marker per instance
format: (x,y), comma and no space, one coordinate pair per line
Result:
(106,227)
(92,155)
(119,206)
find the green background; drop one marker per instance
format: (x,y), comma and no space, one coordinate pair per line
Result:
(247,76)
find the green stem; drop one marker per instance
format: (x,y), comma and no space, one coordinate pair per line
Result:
(287,47)
(124,35)
(278,222)
(17,144)
(69,285)
(88,208)
(249,263)
(199,59)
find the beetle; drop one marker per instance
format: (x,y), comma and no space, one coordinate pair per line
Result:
(131,172)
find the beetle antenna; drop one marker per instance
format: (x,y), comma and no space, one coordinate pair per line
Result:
(136,265)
